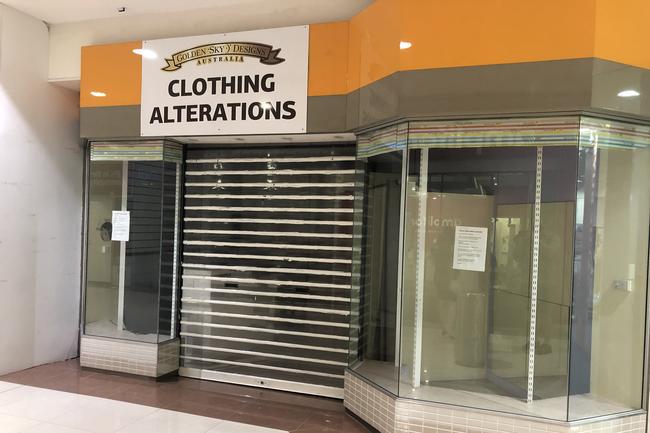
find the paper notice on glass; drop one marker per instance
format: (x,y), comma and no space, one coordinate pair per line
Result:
(470,247)
(121,225)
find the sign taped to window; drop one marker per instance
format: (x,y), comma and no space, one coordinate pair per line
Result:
(470,247)
(121,221)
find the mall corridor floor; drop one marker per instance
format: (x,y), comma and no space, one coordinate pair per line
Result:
(63,398)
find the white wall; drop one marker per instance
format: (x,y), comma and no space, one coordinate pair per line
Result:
(41,165)
(68,38)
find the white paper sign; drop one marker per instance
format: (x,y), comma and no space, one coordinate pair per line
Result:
(121,225)
(231,83)
(470,246)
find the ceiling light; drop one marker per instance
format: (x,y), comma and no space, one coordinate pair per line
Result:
(628,93)
(98,94)
(147,54)
(404,45)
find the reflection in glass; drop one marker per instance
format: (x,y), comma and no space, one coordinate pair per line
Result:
(103,265)
(131,285)
(611,258)
(523,271)
(473,331)
(376,260)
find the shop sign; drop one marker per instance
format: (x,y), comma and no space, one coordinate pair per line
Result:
(232,83)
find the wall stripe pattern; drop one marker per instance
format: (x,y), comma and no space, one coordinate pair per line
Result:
(607,133)
(559,131)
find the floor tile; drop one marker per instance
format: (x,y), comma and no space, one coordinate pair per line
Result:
(38,375)
(166,421)
(86,382)
(202,409)
(14,424)
(236,427)
(6,386)
(18,394)
(270,410)
(37,404)
(328,423)
(51,428)
(98,415)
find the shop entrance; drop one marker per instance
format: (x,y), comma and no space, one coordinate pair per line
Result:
(267,264)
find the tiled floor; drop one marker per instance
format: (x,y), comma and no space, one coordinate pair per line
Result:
(63,398)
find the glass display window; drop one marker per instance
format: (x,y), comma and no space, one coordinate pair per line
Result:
(516,277)
(133,241)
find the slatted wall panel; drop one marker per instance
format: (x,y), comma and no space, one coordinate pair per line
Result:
(169,248)
(142,265)
(267,262)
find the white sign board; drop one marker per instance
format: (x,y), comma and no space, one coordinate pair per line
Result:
(470,246)
(121,225)
(231,83)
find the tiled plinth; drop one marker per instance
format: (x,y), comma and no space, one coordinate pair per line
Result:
(389,414)
(133,357)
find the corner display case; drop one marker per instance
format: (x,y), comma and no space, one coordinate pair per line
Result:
(502,265)
(132,272)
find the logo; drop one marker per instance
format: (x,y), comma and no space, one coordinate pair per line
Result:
(224,51)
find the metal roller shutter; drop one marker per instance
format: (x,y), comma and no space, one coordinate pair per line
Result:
(267,265)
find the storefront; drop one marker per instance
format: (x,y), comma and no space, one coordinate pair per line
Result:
(352,210)
(494,269)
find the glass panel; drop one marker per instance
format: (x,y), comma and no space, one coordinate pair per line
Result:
(611,256)
(525,264)
(142,258)
(470,259)
(103,263)
(556,234)
(131,285)
(468,327)
(376,259)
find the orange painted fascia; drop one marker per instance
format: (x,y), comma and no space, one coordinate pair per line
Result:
(347,55)
(328,58)
(112,69)
(472,33)
(623,31)
(374,43)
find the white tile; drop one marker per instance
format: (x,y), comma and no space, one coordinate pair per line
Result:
(14,424)
(20,393)
(51,428)
(236,427)
(6,386)
(167,421)
(36,403)
(98,415)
